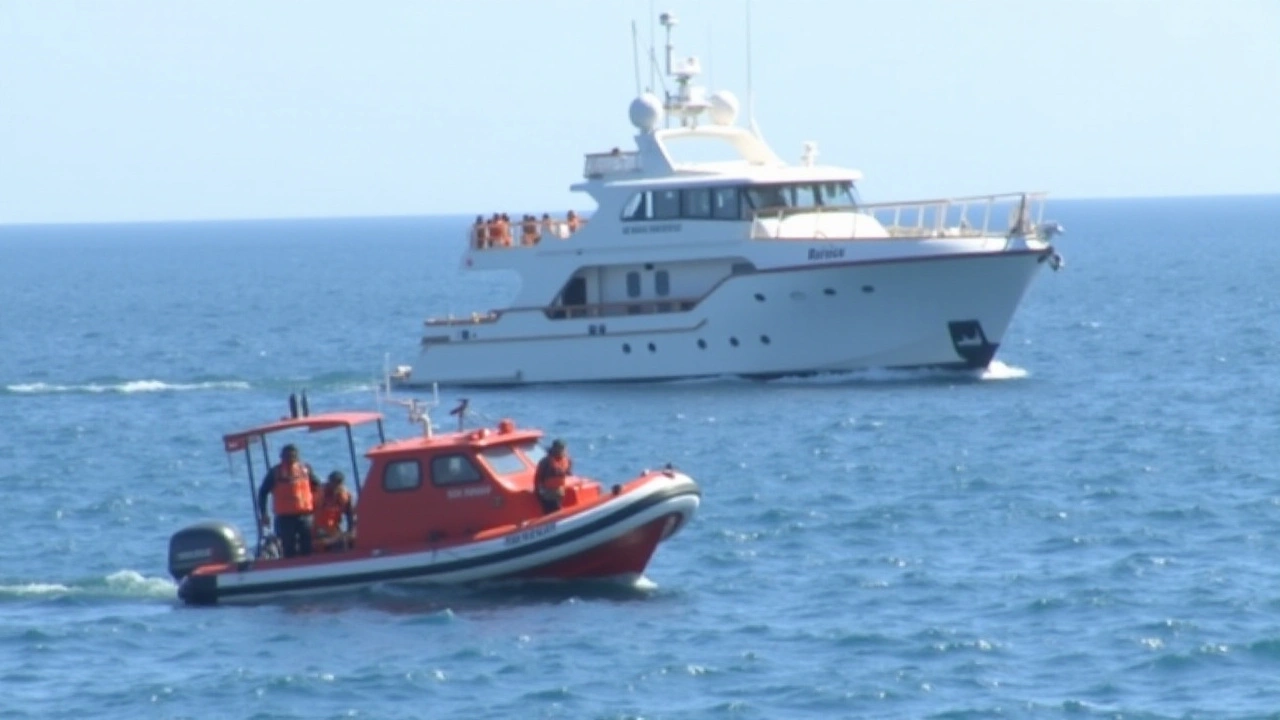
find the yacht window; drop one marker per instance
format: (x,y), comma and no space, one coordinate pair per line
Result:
(453,470)
(767,197)
(834,194)
(502,460)
(666,204)
(697,203)
(724,204)
(803,196)
(662,283)
(402,475)
(637,207)
(633,284)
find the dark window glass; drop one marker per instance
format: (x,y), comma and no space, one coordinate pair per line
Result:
(402,475)
(662,283)
(502,460)
(633,284)
(453,470)
(666,204)
(724,204)
(637,207)
(697,203)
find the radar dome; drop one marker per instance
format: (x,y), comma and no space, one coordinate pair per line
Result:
(646,112)
(724,108)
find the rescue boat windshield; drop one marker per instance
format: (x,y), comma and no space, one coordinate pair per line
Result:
(503,460)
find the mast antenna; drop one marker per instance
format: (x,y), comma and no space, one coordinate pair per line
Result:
(751,96)
(635,54)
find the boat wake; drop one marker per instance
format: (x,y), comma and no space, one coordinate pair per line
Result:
(121,584)
(126,387)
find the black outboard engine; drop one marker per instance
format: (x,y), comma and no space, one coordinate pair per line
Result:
(204,543)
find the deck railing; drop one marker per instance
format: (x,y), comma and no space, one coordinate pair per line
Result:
(980,215)
(488,237)
(600,164)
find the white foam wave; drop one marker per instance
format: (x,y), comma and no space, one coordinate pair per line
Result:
(1000,371)
(33,589)
(122,583)
(128,387)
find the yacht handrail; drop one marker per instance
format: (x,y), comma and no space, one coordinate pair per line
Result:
(942,217)
(638,306)
(597,165)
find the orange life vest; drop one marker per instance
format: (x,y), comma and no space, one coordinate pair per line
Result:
(554,480)
(330,510)
(291,494)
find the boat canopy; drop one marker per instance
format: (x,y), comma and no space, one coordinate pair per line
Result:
(236,441)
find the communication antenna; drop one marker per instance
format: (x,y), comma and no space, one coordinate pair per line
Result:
(653,62)
(751,96)
(635,55)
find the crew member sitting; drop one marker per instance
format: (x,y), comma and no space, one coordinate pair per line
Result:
(334,504)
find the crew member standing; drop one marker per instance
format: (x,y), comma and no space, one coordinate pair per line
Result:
(291,485)
(549,478)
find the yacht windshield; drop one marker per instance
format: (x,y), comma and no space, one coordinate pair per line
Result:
(802,195)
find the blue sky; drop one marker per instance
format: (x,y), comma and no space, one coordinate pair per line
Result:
(159,110)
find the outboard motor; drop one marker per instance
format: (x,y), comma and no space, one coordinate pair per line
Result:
(204,543)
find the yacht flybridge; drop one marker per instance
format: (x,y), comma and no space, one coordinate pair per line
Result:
(743,265)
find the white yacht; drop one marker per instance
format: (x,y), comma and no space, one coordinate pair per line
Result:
(746,265)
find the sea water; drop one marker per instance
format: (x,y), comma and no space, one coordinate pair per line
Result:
(1089,529)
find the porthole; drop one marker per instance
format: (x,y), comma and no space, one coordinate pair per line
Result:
(626,348)
(733,341)
(829,291)
(653,348)
(868,289)
(702,344)
(765,339)
(759,297)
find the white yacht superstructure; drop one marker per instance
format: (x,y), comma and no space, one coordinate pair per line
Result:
(742,266)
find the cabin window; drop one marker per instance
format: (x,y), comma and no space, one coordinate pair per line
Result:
(803,196)
(697,202)
(666,204)
(453,470)
(502,460)
(633,284)
(401,475)
(767,197)
(533,452)
(834,194)
(724,204)
(637,208)
(662,283)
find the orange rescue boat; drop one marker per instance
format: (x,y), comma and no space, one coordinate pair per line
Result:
(438,508)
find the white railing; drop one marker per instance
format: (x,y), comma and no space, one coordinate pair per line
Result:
(610,163)
(519,233)
(977,216)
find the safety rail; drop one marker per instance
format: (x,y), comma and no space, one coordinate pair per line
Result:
(611,163)
(648,306)
(977,216)
(517,234)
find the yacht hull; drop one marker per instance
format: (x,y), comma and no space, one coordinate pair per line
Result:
(928,311)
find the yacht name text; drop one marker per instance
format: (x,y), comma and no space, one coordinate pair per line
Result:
(655,228)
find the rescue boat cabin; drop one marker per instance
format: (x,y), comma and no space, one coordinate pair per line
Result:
(435,488)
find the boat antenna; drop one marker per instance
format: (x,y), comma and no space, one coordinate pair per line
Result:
(461,411)
(635,55)
(750,90)
(653,60)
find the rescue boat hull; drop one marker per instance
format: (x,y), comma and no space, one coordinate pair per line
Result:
(613,539)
